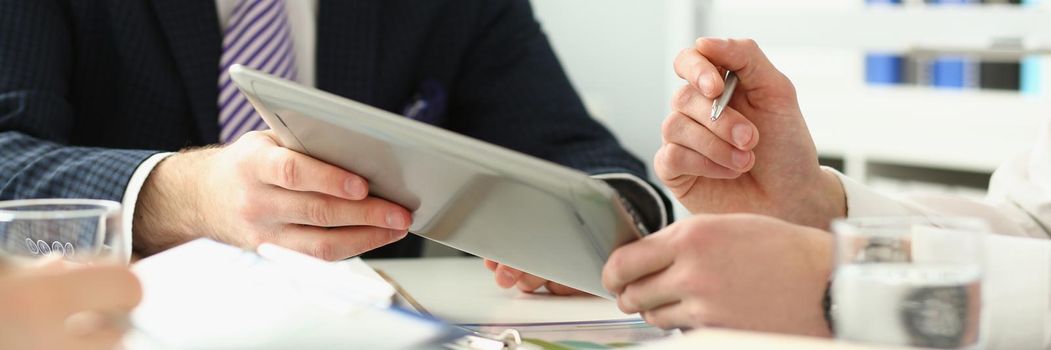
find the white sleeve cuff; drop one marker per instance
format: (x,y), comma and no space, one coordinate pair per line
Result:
(131,196)
(866,202)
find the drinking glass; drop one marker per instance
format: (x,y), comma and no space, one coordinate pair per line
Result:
(909,281)
(78,230)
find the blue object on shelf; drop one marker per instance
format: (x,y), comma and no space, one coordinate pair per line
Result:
(952,72)
(1031,74)
(884,68)
(883,2)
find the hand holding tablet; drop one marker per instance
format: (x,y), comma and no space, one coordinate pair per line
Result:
(536,216)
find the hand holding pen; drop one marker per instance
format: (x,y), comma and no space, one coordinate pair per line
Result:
(705,135)
(741,144)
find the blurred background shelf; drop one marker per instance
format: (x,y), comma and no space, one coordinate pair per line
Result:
(966,130)
(902,138)
(875,27)
(619,53)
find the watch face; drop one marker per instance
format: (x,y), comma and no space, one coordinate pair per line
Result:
(941,317)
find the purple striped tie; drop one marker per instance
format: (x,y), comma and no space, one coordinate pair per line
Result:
(257,36)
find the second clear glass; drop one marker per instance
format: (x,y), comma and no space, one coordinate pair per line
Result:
(909,281)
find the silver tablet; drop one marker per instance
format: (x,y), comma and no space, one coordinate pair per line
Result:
(540,217)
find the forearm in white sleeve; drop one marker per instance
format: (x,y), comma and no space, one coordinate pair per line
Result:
(1002,216)
(131,196)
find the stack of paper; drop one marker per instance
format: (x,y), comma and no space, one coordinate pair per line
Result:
(206,295)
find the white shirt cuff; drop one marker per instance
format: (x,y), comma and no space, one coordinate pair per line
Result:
(865,202)
(131,196)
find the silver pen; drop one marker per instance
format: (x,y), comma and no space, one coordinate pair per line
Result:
(729,85)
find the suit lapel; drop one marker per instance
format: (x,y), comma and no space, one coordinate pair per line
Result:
(346,48)
(194,37)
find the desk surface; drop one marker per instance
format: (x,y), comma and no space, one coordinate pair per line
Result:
(463,291)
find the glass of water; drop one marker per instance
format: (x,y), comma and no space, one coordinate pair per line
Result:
(909,281)
(78,230)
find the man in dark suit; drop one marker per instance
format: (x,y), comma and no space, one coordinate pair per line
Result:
(93,93)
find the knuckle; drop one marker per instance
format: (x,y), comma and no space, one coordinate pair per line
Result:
(674,157)
(709,165)
(685,285)
(661,166)
(669,126)
(286,167)
(656,320)
(693,237)
(609,277)
(251,136)
(697,316)
(243,164)
(324,250)
(712,144)
(249,210)
(318,214)
(260,236)
(625,305)
(747,43)
(629,301)
(665,166)
(710,223)
(614,265)
(698,224)
(694,316)
(249,141)
(681,99)
(691,281)
(373,215)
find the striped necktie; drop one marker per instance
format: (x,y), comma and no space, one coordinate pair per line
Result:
(258,36)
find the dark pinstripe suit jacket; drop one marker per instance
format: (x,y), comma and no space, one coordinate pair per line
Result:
(89,89)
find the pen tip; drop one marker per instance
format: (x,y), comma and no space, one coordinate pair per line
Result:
(715,114)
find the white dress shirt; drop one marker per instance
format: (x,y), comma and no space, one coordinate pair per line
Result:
(302,17)
(1017,278)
